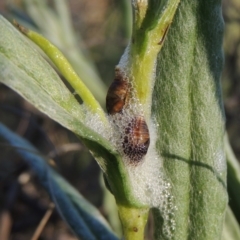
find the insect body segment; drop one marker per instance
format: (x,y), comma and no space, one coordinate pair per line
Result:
(117,94)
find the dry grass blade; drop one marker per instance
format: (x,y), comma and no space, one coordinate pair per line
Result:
(43,222)
(5,225)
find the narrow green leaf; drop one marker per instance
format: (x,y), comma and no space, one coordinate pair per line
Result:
(15,50)
(23,69)
(188,109)
(65,69)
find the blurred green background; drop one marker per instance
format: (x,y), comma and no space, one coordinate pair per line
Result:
(93,35)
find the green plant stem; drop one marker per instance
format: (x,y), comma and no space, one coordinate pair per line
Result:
(147,41)
(133,222)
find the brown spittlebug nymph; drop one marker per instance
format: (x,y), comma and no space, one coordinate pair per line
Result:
(117,94)
(136,139)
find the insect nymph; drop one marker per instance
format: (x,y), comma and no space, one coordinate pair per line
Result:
(135,134)
(117,94)
(136,139)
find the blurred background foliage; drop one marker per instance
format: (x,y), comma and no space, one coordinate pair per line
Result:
(231,84)
(93,35)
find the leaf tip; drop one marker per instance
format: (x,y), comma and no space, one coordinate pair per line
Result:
(20,27)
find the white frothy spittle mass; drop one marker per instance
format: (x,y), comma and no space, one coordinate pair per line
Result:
(94,122)
(147,179)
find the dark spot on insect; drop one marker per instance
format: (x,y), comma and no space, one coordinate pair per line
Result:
(135,229)
(137,140)
(117,94)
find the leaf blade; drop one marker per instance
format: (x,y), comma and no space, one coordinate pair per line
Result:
(189,111)
(25,71)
